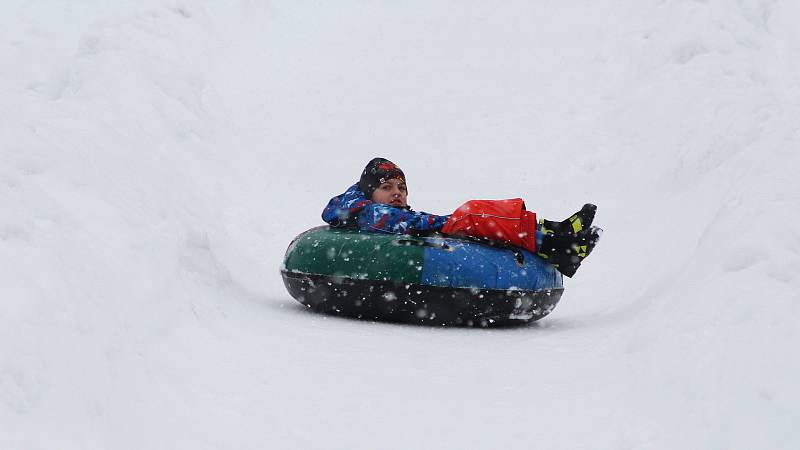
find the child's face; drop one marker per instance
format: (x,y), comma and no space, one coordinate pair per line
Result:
(393,192)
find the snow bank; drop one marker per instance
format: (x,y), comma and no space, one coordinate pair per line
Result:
(158,156)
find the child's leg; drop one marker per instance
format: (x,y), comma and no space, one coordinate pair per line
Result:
(564,244)
(498,220)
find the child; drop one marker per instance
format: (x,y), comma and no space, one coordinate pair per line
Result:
(379,203)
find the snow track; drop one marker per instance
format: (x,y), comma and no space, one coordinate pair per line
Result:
(156,158)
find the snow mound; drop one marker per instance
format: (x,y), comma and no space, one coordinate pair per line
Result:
(158,157)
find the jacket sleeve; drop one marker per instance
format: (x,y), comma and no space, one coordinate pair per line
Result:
(382,218)
(343,209)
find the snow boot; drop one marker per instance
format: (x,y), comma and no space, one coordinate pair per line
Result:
(574,224)
(566,251)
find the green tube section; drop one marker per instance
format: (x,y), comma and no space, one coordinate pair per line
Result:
(344,254)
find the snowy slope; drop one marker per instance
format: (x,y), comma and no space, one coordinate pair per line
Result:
(156,157)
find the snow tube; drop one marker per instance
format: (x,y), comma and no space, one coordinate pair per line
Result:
(442,280)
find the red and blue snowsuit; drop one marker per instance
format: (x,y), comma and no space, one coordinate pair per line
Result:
(500,220)
(352,209)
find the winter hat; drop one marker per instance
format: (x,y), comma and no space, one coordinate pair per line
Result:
(377,172)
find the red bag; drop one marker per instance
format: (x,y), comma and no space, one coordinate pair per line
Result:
(499,220)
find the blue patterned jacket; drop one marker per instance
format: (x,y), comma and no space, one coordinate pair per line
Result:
(353,209)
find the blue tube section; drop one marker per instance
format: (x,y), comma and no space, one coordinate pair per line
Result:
(467,264)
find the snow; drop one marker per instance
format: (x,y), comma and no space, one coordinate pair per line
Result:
(157,157)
